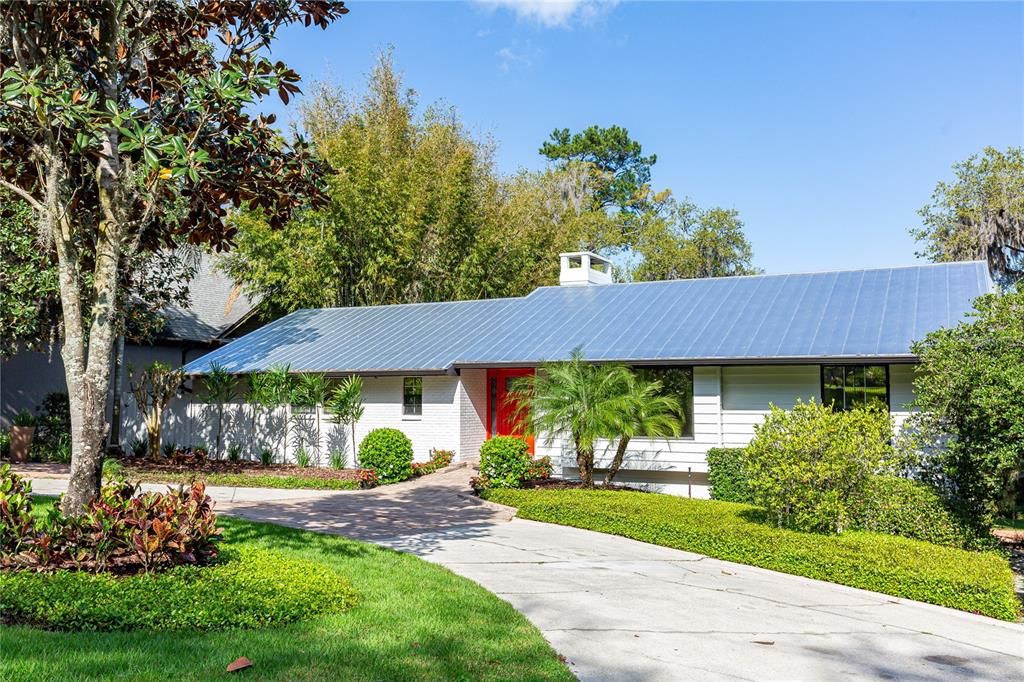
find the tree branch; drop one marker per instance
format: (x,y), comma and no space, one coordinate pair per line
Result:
(32,201)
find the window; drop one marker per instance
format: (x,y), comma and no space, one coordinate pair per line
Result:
(412,396)
(846,386)
(678,383)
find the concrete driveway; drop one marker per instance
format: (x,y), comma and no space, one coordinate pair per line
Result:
(618,609)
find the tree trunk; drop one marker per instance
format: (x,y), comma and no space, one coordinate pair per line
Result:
(355,463)
(613,468)
(585,463)
(220,428)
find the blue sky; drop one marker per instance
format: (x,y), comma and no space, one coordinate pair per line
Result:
(826,125)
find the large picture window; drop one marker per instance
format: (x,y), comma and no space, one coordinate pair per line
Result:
(412,396)
(847,386)
(678,383)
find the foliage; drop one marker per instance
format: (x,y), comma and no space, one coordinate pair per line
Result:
(417,212)
(53,427)
(5,443)
(16,522)
(573,397)
(979,215)
(411,616)
(540,469)
(367,478)
(121,530)
(621,171)
(234,452)
(153,388)
(128,136)
(303,458)
(219,387)
(808,466)
(389,453)
(245,479)
(23,418)
(337,459)
(112,470)
(970,408)
(900,506)
(251,588)
(439,459)
(29,290)
(644,411)
(980,582)
(266,457)
(138,447)
(270,390)
(727,475)
(345,404)
(678,240)
(311,391)
(504,461)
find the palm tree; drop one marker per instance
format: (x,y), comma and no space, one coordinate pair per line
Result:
(259,397)
(311,391)
(280,386)
(219,387)
(346,404)
(646,414)
(575,397)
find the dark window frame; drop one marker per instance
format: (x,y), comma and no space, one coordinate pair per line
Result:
(888,381)
(413,408)
(688,429)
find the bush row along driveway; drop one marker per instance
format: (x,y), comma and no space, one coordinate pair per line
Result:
(621,609)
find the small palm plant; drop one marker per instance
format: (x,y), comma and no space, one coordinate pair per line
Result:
(574,397)
(311,391)
(346,405)
(643,413)
(219,387)
(279,388)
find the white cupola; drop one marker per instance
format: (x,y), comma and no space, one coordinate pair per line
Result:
(584,268)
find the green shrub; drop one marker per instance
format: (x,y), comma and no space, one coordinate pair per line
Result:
(266,457)
(540,469)
(251,588)
(112,470)
(5,443)
(234,452)
(809,465)
(972,581)
(439,459)
(899,506)
(504,461)
(727,475)
(337,459)
(24,418)
(303,458)
(16,521)
(389,453)
(138,447)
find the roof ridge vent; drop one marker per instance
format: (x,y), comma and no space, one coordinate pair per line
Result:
(584,268)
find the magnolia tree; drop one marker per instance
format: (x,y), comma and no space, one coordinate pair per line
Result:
(124,126)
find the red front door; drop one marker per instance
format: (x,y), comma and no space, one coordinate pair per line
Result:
(501,417)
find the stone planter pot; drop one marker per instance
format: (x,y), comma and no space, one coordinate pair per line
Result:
(21,440)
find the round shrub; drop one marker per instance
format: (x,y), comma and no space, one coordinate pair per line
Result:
(900,506)
(504,461)
(250,588)
(389,453)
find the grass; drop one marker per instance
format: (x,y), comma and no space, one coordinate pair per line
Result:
(245,480)
(981,582)
(413,620)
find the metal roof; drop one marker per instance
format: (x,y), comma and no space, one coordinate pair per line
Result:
(809,317)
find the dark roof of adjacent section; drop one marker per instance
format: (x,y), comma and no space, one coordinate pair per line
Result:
(216,305)
(841,315)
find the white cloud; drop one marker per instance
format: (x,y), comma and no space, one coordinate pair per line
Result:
(514,56)
(555,13)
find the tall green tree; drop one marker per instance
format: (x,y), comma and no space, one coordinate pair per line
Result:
(679,240)
(124,126)
(621,171)
(577,398)
(969,416)
(979,215)
(417,212)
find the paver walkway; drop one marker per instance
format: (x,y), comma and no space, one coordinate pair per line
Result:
(618,609)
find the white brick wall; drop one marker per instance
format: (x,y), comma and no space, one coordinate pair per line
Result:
(472,413)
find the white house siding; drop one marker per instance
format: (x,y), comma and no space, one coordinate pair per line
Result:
(438,427)
(472,396)
(901,392)
(748,391)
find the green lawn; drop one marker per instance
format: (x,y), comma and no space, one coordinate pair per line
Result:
(240,480)
(972,581)
(413,620)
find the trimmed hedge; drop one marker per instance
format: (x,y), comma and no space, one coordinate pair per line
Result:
(252,588)
(504,461)
(727,476)
(899,506)
(971,581)
(243,480)
(389,453)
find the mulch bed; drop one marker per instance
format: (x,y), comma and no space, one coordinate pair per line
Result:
(244,468)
